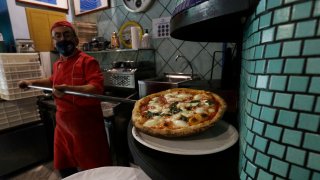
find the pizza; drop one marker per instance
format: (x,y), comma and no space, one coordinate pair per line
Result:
(177,112)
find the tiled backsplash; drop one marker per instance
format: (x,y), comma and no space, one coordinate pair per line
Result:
(166,49)
(280,87)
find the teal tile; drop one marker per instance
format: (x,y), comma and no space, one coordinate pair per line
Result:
(249,138)
(260,143)
(265,97)
(317,108)
(272,50)
(292,137)
(290,1)
(279,167)
(259,52)
(254,95)
(291,48)
(261,7)
(258,127)
(263,175)
(251,169)
(249,122)
(298,83)
(302,26)
(303,102)
(315,85)
(250,153)
(279,178)
(309,122)
(253,80)
(278,83)
(255,110)
(281,15)
(273,132)
(268,114)
(297,173)
(315,176)
(255,25)
(316,11)
(243,176)
(313,65)
(311,47)
(265,20)
(314,161)
(256,38)
(285,31)
(260,66)
(287,118)
(262,160)
(273,4)
(295,155)
(282,100)
(276,149)
(311,141)
(294,65)
(267,35)
(262,81)
(302,10)
(275,66)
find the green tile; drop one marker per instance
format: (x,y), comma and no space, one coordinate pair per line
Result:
(258,127)
(302,26)
(273,132)
(263,175)
(275,66)
(281,15)
(261,7)
(254,95)
(292,137)
(303,102)
(294,65)
(279,167)
(249,138)
(262,81)
(272,50)
(255,25)
(256,38)
(314,161)
(311,47)
(273,4)
(302,10)
(243,176)
(268,114)
(262,160)
(253,80)
(291,48)
(265,20)
(313,65)
(298,83)
(255,110)
(259,52)
(315,85)
(295,155)
(249,122)
(251,169)
(285,31)
(316,11)
(298,173)
(260,66)
(287,118)
(265,97)
(260,143)
(278,83)
(276,149)
(309,122)
(315,176)
(311,141)
(290,1)
(250,153)
(282,100)
(317,108)
(267,35)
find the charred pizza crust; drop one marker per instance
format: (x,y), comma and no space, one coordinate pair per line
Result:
(138,120)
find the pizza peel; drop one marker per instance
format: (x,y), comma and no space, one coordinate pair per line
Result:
(97,96)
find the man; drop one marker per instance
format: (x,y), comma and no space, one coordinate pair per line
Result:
(80,140)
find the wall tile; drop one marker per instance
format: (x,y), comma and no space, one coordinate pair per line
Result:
(291,48)
(273,132)
(278,83)
(298,83)
(260,66)
(249,137)
(287,118)
(262,81)
(273,4)
(311,47)
(282,100)
(272,50)
(258,127)
(292,137)
(251,169)
(275,66)
(259,52)
(285,31)
(276,149)
(297,172)
(294,65)
(281,15)
(255,110)
(250,153)
(311,141)
(279,167)
(314,161)
(261,7)
(315,85)
(267,35)
(316,11)
(315,176)
(265,20)
(317,108)
(295,155)
(264,175)
(303,102)
(268,114)
(310,26)
(308,122)
(262,160)
(265,97)
(302,10)
(313,65)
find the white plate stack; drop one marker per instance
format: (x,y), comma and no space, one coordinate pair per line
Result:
(15,67)
(18,112)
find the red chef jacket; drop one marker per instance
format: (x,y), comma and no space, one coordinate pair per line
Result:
(80,139)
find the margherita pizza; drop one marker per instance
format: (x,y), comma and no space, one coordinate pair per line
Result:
(177,112)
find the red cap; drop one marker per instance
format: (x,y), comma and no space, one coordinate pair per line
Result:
(62,23)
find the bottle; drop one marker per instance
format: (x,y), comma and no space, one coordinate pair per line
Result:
(145,42)
(115,43)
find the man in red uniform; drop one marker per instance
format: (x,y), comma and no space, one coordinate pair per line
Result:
(80,140)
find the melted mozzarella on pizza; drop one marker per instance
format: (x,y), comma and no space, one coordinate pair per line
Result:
(178,110)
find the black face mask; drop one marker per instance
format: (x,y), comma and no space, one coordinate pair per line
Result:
(65,47)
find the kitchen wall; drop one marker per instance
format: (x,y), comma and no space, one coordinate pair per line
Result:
(280,92)
(166,49)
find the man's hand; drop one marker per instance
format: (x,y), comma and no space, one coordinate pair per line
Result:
(24,84)
(58,90)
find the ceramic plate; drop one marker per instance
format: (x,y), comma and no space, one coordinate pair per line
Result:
(218,138)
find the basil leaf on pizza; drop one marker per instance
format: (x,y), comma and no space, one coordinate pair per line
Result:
(177,112)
